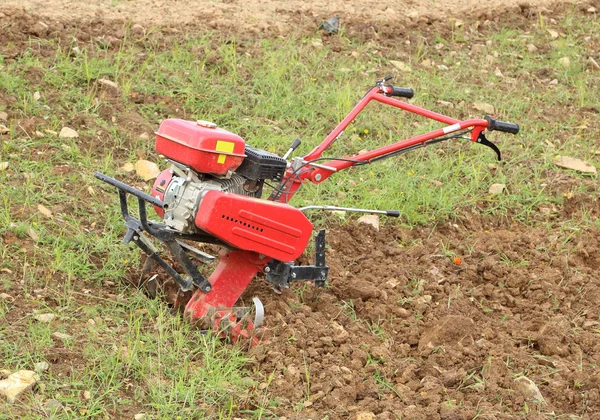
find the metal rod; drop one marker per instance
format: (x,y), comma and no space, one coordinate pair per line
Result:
(128,188)
(351,209)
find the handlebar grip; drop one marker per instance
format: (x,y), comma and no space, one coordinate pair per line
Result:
(402,92)
(506,127)
(392,213)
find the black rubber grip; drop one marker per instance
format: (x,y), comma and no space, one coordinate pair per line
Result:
(402,92)
(392,213)
(506,127)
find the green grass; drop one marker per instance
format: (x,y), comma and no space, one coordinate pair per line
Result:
(140,357)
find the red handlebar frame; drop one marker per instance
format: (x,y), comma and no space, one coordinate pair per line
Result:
(377,93)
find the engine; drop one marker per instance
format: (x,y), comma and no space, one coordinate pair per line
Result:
(214,185)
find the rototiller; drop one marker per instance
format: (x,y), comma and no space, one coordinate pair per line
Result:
(212,193)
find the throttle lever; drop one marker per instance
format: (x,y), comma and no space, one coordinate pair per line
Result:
(481,139)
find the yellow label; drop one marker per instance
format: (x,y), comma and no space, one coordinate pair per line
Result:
(224,146)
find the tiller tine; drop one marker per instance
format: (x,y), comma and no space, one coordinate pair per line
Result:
(235,323)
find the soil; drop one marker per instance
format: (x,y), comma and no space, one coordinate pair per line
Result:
(420,323)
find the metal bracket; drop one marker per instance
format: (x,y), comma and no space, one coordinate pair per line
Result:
(281,274)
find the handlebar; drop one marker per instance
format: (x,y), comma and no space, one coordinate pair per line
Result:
(400,91)
(506,127)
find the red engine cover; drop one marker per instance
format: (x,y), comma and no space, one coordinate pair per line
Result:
(274,229)
(200,145)
(159,188)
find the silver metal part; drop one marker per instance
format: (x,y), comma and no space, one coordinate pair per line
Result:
(350,209)
(259,312)
(184,194)
(200,255)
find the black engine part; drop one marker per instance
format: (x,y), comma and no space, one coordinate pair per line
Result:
(259,164)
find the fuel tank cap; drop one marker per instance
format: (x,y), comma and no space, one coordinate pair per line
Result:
(206,124)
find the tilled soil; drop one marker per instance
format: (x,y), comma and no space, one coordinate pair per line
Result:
(452,321)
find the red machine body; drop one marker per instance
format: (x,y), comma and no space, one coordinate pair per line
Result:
(274,229)
(200,145)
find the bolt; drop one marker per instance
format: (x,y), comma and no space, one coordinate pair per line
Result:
(267,269)
(293,275)
(317,177)
(135,238)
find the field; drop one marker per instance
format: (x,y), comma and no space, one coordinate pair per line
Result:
(471,305)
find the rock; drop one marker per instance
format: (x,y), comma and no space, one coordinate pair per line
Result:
(498,73)
(3,116)
(317,43)
(6,297)
(3,166)
(442,67)
(365,415)
(564,61)
(68,133)
(45,211)
(4,129)
(108,83)
(17,383)
(553,33)
(497,188)
(531,48)
(370,219)
(4,373)
(139,416)
(529,389)
(146,170)
(575,164)
(128,167)
(138,29)
(46,318)
(483,107)
(41,366)
(445,103)
(145,136)
(61,336)
(400,66)
(87,395)
(53,405)
(591,64)
(37,96)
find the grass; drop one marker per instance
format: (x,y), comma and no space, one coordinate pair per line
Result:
(136,356)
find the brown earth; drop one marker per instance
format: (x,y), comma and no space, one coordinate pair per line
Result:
(405,330)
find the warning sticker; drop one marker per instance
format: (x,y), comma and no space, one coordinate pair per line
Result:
(224,146)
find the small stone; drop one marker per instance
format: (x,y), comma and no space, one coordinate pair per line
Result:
(531,48)
(17,383)
(6,297)
(37,96)
(4,129)
(445,103)
(87,395)
(370,219)
(565,62)
(498,73)
(483,107)
(529,389)
(591,10)
(145,136)
(137,29)
(553,82)
(592,64)
(45,211)
(146,170)
(400,66)
(53,405)
(553,33)
(68,133)
(128,167)
(492,166)
(46,318)
(41,367)
(427,63)
(139,416)
(108,83)
(3,166)
(442,67)
(365,415)
(61,336)
(317,43)
(3,116)
(497,188)
(575,164)
(4,373)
